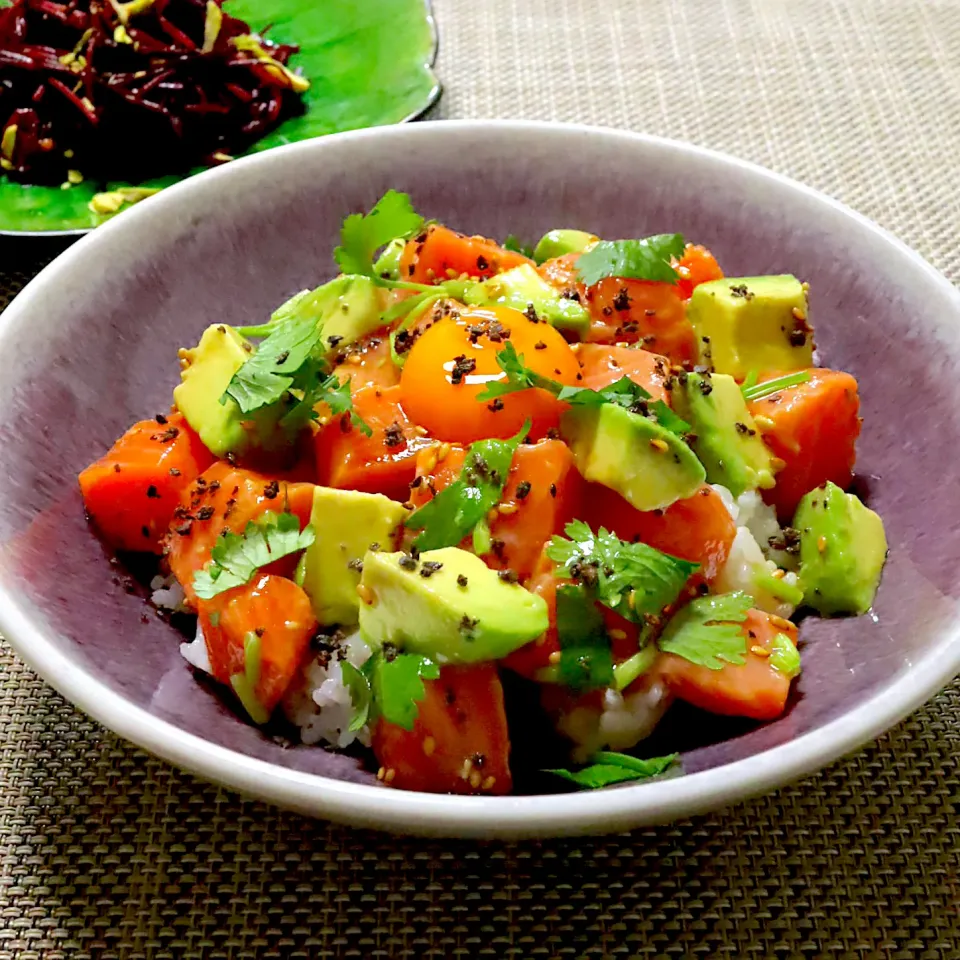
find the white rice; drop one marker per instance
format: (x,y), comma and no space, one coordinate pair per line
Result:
(195,653)
(756,524)
(320,705)
(621,723)
(319,702)
(761,520)
(168,594)
(729,500)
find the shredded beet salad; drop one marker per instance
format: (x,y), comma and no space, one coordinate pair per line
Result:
(101,89)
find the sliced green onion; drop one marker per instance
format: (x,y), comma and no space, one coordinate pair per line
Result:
(300,573)
(482,541)
(246,695)
(763,390)
(778,587)
(625,673)
(784,655)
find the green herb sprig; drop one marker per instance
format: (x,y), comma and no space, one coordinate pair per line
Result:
(633,579)
(388,686)
(609,768)
(236,557)
(624,393)
(708,631)
(760,391)
(459,508)
(646,259)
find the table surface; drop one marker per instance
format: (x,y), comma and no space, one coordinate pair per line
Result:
(106,852)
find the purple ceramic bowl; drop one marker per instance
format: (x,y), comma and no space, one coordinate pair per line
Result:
(90,346)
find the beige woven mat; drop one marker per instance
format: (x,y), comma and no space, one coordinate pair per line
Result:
(107,853)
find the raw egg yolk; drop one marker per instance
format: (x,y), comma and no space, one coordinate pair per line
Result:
(455,359)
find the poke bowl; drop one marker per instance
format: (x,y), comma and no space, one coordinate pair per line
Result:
(485,479)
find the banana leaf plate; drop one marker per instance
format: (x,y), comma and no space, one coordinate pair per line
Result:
(369,64)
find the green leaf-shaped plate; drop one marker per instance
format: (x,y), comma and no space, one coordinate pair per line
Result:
(369,64)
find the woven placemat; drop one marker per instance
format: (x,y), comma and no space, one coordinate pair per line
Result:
(105,852)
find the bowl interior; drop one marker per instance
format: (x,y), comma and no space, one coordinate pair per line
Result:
(91,347)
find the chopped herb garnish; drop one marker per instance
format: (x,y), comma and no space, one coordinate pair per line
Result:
(358,683)
(519,377)
(609,768)
(272,369)
(647,259)
(708,631)
(760,391)
(627,671)
(456,510)
(784,655)
(624,393)
(245,684)
(330,391)
(289,365)
(397,685)
(517,246)
(633,579)
(362,235)
(631,396)
(778,587)
(585,658)
(237,557)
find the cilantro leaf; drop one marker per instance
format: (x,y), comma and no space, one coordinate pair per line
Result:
(519,376)
(631,396)
(708,631)
(288,368)
(609,768)
(760,391)
(237,557)
(647,259)
(456,510)
(633,579)
(317,388)
(411,310)
(517,246)
(362,235)
(397,686)
(667,419)
(361,694)
(268,373)
(586,661)
(624,393)
(784,655)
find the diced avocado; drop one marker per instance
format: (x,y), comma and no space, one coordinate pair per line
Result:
(388,263)
(752,323)
(842,551)
(348,308)
(446,604)
(645,463)
(727,442)
(346,523)
(353,309)
(208,369)
(521,288)
(558,243)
